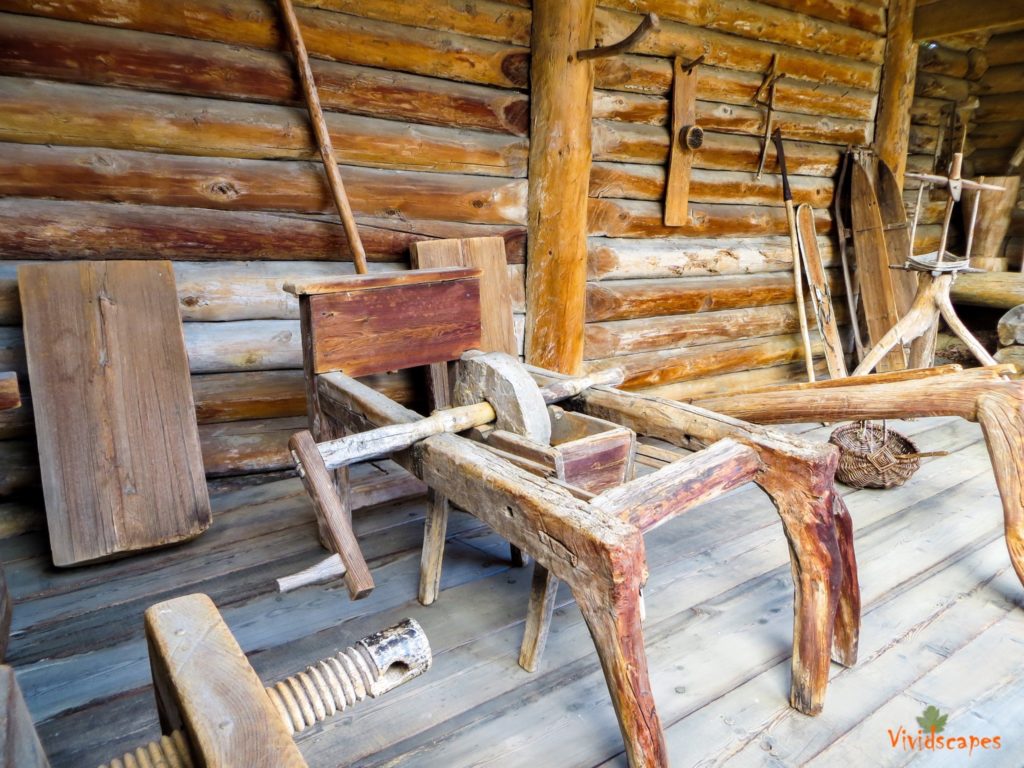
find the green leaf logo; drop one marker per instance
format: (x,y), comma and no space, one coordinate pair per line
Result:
(932,720)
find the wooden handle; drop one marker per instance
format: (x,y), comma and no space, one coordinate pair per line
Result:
(336,523)
(787,193)
(323,136)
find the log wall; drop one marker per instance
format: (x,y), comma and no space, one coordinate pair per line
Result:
(710,306)
(999,124)
(176,130)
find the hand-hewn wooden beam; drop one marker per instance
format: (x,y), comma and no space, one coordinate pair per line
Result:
(560,150)
(899,70)
(957,17)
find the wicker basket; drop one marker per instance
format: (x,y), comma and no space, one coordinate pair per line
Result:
(873,456)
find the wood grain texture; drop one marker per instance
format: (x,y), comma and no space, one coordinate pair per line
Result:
(561,92)
(409,325)
(19,743)
(486,254)
(206,686)
(821,295)
(6,610)
(877,293)
(680,159)
(115,422)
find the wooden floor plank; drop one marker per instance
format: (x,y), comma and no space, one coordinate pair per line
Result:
(935,576)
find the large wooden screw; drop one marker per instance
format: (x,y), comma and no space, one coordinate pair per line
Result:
(214,710)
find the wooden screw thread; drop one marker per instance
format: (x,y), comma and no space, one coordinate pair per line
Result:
(166,752)
(329,686)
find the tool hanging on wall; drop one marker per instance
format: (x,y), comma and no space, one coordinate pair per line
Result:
(686,137)
(851,284)
(821,295)
(794,242)
(766,97)
(323,136)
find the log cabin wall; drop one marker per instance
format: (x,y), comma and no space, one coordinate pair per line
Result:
(177,131)
(709,306)
(999,124)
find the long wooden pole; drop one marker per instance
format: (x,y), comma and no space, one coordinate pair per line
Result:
(323,136)
(794,244)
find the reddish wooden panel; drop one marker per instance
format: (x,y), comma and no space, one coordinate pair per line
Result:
(389,328)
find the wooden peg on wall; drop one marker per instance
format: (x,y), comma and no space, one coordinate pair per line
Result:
(686,137)
(649,23)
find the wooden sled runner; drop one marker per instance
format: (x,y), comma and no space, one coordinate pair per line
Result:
(592,541)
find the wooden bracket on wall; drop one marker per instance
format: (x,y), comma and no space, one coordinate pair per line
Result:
(649,23)
(686,137)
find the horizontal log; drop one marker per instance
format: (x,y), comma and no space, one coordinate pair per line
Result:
(123,176)
(1008,78)
(939,60)
(1002,107)
(632,299)
(334,36)
(647,182)
(50,229)
(120,119)
(19,466)
(1007,48)
(647,74)
(941,87)
(869,16)
(760,22)
(245,345)
(648,144)
(611,259)
(624,337)
(991,162)
(1000,290)
(480,18)
(641,218)
(928,111)
(740,381)
(675,39)
(95,55)
(1004,136)
(732,118)
(649,369)
(247,447)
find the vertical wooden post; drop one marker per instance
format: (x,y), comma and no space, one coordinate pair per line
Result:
(561,98)
(899,70)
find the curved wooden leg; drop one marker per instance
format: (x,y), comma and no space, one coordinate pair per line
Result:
(802,493)
(956,326)
(543,591)
(916,322)
(612,613)
(847,626)
(1001,416)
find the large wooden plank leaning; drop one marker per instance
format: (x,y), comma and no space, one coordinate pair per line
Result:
(115,420)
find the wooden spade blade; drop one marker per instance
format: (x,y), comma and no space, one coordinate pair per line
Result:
(821,297)
(897,237)
(877,293)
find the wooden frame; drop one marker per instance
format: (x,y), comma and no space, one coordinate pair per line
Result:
(979,394)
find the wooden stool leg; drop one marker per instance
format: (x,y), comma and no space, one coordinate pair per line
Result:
(847,626)
(1002,420)
(803,497)
(543,591)
(613,617)
(434,530)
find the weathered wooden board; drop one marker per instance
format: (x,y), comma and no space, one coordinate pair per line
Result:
(680,158)
(115,418)
(205,684)
(821,296)
(19,743)
(413,318)
(877,293)
(488,255)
